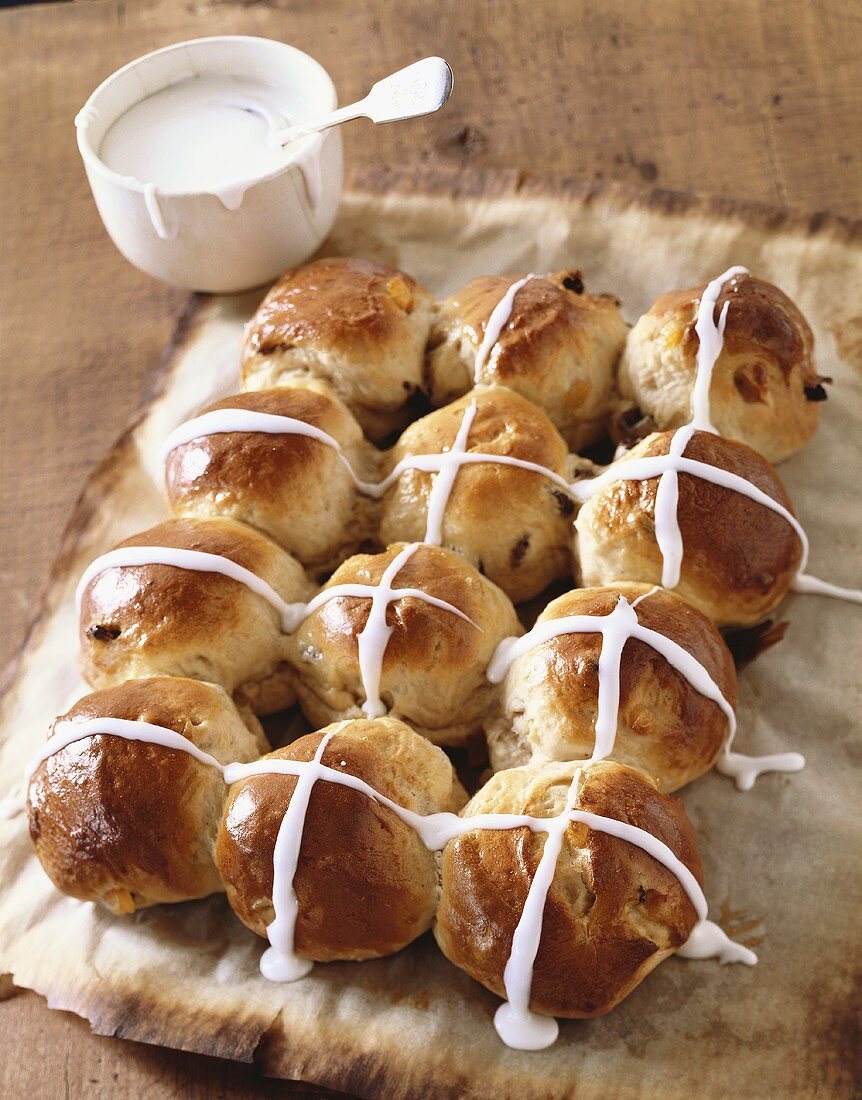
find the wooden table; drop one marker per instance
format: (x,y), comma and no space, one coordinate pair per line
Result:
(752,99)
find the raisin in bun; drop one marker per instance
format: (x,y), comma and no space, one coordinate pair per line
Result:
(613,912)
(365,883)
(132,824)
(558,348)
(765,389)
(355,324)
(739,557)
(548,704)
(423,663)
(512,524)
(161,620)
(295,488)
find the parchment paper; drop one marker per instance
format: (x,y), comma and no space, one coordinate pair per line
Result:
(781,862)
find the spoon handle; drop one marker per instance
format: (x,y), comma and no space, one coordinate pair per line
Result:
(419,89)
(334,118)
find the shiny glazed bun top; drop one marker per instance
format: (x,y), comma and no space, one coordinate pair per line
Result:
(292,487)
(765,388)
(557,347)
(356,324)
(157,619)
(511,523)
(365,883)
(422,661)
(613,912)
(133,824)
(549,702)
(739,557)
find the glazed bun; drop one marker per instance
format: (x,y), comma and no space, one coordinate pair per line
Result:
(132,824)
(765,388)
(613,912)
(294,488)
(558,348)
(431,663)
(512,524)
(548,706)
(355,324)
(739,556)
(366,885)
(161,620)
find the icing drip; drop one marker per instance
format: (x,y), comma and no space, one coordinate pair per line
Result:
(309,167)
(744,770)
(279,962)
(126,557)
(812,586)
(615,629)
(499,318)
(516,1024)
(157,216)
(375,635)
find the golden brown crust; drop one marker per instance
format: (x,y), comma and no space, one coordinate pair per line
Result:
(613,912)
(162,620)
(740,557)
(291,487)
(511,524)
(365,882)
(558,348)
(354,323)
(765,388)
(132,824)
(666,728)
(433,673)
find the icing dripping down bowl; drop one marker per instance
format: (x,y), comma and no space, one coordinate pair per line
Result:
(222,239)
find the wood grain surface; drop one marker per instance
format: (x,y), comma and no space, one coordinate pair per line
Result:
(749,99)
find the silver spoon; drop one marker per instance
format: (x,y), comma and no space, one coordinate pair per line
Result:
(420,89)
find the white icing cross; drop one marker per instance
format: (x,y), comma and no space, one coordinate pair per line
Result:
(516,1024)
(615,629)
(446,466)
(375,635)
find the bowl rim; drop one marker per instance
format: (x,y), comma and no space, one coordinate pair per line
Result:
(85,116)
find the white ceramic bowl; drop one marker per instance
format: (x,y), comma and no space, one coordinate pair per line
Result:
(284,216)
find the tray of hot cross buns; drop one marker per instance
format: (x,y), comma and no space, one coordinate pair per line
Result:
(466,627)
